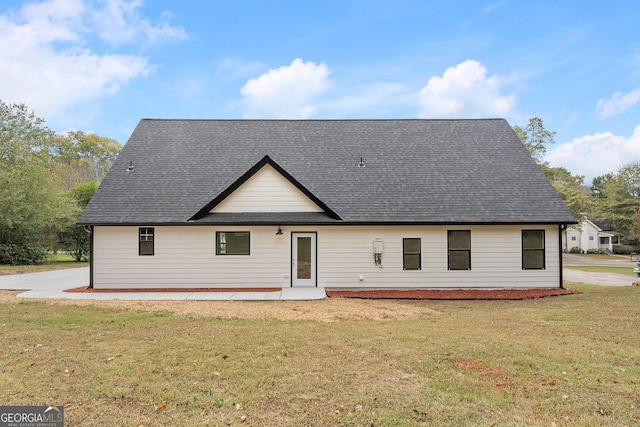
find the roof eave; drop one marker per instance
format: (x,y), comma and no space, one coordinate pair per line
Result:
(191,223)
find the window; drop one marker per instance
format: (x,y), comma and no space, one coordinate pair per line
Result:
(573,238)
(232,243)
(533,249)
(145,241)
(459,245)
(591,238)
(411,254)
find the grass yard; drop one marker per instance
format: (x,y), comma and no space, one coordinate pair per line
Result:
(566,361)
(603,269)
(55,262)
(605,258)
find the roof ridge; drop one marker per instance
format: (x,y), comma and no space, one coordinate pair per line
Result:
(325,120)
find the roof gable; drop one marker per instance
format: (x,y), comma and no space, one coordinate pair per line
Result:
(266,188)
(591,224)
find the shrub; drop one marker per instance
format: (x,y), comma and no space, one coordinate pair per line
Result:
(76,241)
(596,251)
(625,249)
(22,255)
(575,250)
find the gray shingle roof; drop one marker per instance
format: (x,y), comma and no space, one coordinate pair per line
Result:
(424,171)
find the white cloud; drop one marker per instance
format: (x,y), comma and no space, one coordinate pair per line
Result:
(120,22)
(286,92)
(618,103)
(465,91)
(45,61)
(594,155)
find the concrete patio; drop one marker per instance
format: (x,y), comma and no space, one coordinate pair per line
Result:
(52,284)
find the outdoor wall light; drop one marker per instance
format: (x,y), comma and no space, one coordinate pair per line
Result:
(279,232)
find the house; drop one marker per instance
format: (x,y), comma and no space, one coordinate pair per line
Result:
(588,235)
(328,203)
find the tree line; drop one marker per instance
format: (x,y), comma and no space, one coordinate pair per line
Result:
(46,179)
(613,197)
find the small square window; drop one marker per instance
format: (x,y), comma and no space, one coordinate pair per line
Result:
(573,238)
(232,243)
(145,241)
(591,238)
(411,254)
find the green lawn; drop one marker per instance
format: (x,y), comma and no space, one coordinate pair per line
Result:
(55,262)
(603,269)
(567,361)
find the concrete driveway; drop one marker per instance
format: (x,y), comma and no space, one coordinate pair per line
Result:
(46,281)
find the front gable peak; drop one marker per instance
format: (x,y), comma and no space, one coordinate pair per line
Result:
(265,187)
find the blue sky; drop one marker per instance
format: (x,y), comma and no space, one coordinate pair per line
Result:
(101,66)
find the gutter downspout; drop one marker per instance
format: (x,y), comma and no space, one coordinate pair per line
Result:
(561,228)
(90,231)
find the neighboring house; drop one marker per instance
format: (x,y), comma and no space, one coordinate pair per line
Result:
(590,235)
(330,203)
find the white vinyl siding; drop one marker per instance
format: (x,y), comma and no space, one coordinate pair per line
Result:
(267,191)
(583,235)
(496,252)
(185,258)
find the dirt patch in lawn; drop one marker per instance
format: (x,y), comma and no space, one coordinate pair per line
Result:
(363,306)
(453,294)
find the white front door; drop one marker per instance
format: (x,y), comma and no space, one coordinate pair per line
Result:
(303,259)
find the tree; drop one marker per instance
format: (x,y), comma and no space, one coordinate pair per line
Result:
(32,212)
(73,238)
(23,136)
(37,167)
(82,157)
(619,202)
(570,189)
(32,209)
(535,137)
(635,226)
(598,183)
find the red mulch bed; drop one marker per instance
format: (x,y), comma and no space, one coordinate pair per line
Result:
(84,289)
(453,294)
